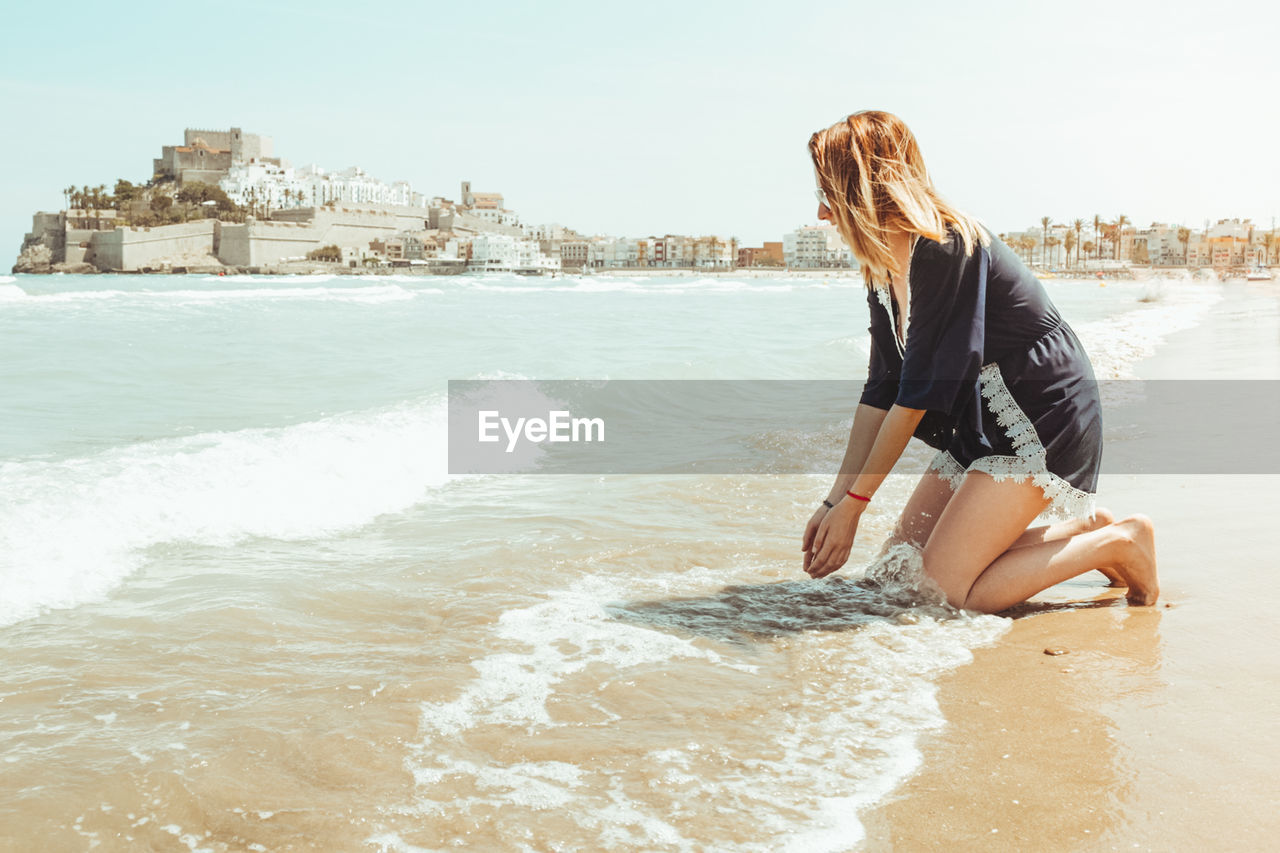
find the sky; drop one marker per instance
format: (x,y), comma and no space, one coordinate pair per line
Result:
(659,117)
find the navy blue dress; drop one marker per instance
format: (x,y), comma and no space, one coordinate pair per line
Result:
(1006,385)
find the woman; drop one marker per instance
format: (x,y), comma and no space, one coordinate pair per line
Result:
(968,354)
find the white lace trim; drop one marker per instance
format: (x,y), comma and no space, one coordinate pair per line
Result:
(882,293)
(948,469)
(1066,501)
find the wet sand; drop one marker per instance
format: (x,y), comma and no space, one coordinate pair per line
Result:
(1156,729)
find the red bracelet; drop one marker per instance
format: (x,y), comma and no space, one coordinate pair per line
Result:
(857,497)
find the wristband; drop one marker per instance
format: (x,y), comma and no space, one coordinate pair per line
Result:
(857,497)
(828,504)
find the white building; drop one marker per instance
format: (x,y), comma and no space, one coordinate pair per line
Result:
(1160,245)
(815,247)
(617,252)
(497,217)
(715,252)
(550,231)
(453,248)
(260,183)
(504,253)
(1233,228)
(311,186)
(672,251)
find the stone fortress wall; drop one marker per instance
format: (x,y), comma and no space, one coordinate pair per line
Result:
(133,249)
(292,233)
(289,234)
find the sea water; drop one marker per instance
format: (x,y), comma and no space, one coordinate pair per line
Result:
(244,604)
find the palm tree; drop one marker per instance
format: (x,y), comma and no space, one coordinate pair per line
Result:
(1109,234)
(715,245)
(99,200)
(1052,242)
(1028,244)
(1078,226)
(1121,222)
(1184,237)
(1044,232)
(1088,247)
(1069,240)
(1097,234)
(67,193)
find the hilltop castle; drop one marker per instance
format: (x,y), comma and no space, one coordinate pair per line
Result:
(207,155)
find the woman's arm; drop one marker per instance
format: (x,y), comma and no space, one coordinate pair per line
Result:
(898,425)
(835,533)
(862,436)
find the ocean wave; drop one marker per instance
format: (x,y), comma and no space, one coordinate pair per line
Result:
(363,294)
(863,656)
(377,293)
(246,278)
(1117,343)
(665,286)
(75,529)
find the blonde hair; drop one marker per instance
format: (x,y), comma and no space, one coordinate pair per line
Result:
(870,167)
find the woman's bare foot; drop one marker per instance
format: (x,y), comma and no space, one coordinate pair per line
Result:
(1101,518)
(1136,564)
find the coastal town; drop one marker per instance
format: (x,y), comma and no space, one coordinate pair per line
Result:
(223,202)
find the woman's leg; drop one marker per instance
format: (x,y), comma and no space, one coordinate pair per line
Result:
(1065,530)
(921,513)
(970,554)
(931,496)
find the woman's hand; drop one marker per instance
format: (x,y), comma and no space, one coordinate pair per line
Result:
(810,531)
(834,539)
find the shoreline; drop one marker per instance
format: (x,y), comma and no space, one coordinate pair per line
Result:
(1154,730)
(338,271)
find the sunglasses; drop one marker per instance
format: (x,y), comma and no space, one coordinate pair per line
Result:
(822,197)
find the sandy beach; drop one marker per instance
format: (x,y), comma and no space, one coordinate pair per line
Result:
(1155,728)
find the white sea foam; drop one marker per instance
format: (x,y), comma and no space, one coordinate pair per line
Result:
(273,279)
(1117,343)
(361,294)
(861,693)
(512,688)
(75,529)
(664,285)
(377,293)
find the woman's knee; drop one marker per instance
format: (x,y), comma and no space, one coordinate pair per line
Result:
(954,585)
